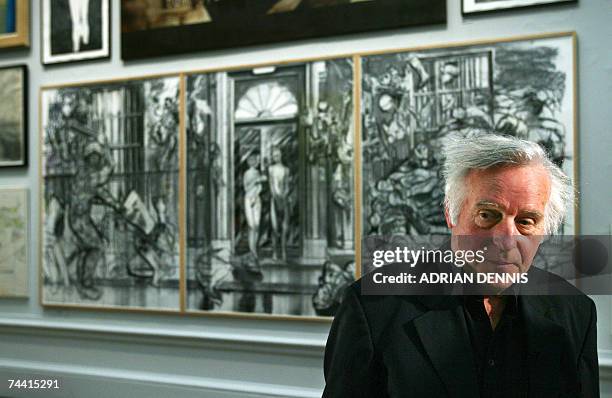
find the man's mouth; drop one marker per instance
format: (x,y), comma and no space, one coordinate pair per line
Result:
(504,266)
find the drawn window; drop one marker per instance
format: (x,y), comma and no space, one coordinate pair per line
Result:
(458,81)
(119,114)
(266,101)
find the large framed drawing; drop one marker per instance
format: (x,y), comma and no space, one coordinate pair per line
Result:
(158,27)
(110,199)
(478,6)
(14,242)
(13,116)
(413,99)
(14,23)
(75,30)
(270,198)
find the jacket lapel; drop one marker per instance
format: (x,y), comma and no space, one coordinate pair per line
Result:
(545,344)
(444,335)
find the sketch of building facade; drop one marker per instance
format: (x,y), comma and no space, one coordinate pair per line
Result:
(269,188)
(111,194)
(413,100)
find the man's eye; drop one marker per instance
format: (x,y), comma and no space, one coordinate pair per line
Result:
(486,218)
(527,222)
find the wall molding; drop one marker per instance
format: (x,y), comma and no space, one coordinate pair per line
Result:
(71,376)
(605,364)
(157,334)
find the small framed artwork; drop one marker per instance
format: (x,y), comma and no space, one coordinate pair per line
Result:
(13,242)
(13,116)
(14,23)
(75,30)
(476,6)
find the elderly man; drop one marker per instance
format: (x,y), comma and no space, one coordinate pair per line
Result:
(501,344)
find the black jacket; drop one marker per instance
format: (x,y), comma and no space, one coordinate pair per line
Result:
(418,346)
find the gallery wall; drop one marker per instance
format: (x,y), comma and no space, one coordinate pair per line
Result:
(103,353)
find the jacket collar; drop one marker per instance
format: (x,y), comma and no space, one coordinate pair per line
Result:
(443,332)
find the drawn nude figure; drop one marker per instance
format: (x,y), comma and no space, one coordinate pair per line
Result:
(251,182)
(279,211)
(79,12)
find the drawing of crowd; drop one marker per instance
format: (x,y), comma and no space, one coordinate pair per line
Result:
(412,101)
(110,174)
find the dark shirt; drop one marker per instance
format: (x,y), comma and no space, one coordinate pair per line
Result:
(500,354)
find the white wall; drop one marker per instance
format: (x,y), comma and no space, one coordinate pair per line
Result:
(122,354)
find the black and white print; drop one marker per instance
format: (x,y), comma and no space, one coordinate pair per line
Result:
(412,100)
(13,116)
(75,30)
(270,214)
(475,6)
(110,195)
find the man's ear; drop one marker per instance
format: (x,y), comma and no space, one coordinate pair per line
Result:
(449,223)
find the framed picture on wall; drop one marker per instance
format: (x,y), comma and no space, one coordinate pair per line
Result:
(110,199)
(13,116)
(476,6)
(75,30)
(159,27)
(414,99)
(269,196)
(14,242)
(14,23)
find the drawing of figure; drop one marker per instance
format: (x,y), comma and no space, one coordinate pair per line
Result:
(93,169)
(279,211)
(154,242)
(79,12)
(163,136)
(55,268)
(251,181)
(341,195)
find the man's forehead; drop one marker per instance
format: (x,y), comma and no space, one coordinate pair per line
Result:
(525,208)
(531,179)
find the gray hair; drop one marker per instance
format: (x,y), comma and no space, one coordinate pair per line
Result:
(485,150)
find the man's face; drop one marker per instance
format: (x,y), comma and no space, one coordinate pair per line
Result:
(276,156)
(253,160)
(503,211)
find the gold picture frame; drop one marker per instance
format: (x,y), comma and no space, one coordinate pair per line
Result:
(21,36)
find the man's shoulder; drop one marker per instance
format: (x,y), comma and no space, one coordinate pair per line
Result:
(557,289)
(563,302)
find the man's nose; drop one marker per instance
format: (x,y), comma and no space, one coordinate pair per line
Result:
(505,234)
